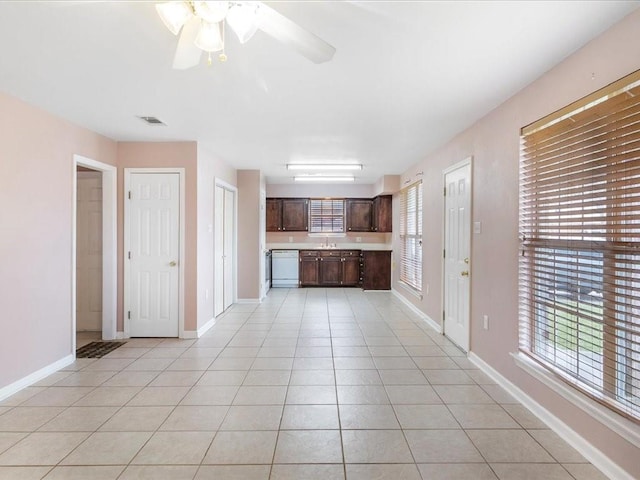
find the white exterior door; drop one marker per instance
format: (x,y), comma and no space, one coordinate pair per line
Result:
(89,252)
(154,252)
(457,261)
(223,246)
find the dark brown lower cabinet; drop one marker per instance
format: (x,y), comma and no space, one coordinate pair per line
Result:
(376,270)
(351,271)
(370,270)
(330,271)
(308,274)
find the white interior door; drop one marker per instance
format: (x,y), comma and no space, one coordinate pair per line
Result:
(154,250)
(457,261)
(224,249)
(218,295)
(89,252)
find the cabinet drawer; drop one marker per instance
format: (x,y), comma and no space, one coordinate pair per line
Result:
(308,253)
(331,253)
(350,253)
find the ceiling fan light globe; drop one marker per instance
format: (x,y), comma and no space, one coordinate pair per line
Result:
(209,38)
(211,12)
(242,18)
(174,15)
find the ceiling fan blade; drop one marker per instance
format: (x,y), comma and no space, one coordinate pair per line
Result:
(291,34)
(187,54)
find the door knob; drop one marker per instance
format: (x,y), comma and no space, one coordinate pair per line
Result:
(465,274)
(172,264)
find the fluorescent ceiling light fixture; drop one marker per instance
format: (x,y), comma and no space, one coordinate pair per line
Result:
(324,166)
(323,178)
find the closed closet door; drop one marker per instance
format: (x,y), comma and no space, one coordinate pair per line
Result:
(224,279)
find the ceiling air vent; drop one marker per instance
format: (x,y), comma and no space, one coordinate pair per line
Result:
(152,121)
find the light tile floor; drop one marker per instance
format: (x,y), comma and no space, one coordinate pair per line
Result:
(328,384)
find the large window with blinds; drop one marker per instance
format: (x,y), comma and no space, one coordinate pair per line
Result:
(579,278)
(326,215)
(411,236)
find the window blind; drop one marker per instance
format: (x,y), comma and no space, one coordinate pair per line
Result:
(326,215)
(411,236)
(579,271)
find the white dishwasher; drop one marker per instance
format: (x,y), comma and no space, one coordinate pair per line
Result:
(284,268)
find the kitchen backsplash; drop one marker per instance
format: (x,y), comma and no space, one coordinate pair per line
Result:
(351,240)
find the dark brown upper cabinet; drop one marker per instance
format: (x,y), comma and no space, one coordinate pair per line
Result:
(274,215)
(359,214)
(287,214)
(381,214)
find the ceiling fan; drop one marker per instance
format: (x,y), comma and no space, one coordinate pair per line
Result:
(202,26)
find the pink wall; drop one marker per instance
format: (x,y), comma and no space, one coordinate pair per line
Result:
(36,215)
(164,155)
(313,190)
(249,252)
(494,144)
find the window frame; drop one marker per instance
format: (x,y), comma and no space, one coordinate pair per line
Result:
(604,236)
(332,217)
(410,234)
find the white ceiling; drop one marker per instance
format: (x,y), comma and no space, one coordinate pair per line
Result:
(406,76)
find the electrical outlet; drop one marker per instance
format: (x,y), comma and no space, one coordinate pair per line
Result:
(290,239)
(485,322)
(358,239)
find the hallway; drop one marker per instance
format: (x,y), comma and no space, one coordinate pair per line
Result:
(327,384)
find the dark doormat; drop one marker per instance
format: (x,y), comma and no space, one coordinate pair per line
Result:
(97,349)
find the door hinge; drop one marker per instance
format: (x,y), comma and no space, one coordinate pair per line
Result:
(129,255)
(444,253)
(129,315)
(443,316)
(129,194)
(445,190)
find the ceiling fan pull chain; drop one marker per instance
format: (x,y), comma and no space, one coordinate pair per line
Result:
(223,56)
(209,61)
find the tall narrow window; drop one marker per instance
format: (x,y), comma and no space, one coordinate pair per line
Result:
(580,245)
(326,215)
(411,236)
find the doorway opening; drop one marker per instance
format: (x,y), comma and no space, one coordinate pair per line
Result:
(94,287)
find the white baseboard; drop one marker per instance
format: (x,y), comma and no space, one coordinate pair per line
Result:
(248,300)
(119,335)
(189,334)
(203,329)
(426,318)
(35,377)
(586,449)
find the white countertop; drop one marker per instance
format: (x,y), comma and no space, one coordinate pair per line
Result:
(339,246)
